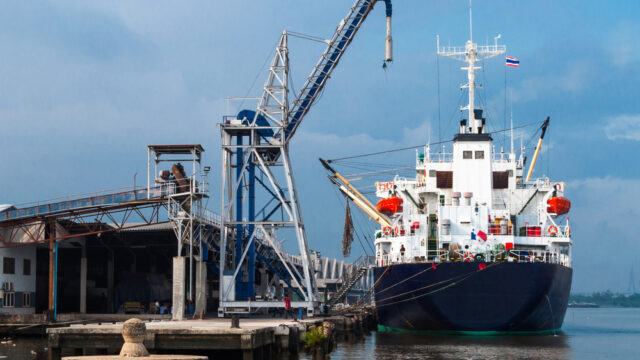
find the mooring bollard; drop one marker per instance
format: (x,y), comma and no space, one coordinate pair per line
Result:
(133,331)
(235,321)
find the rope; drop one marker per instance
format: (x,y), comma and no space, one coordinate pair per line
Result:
(420,146)
(400,282)
(463,277)
(381,171)
(387,151)
(423,295)
(306,36)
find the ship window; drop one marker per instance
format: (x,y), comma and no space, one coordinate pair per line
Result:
(510,173)
(9,265)
(467,154)
(441,200)
(444,179)
(479,154)
(432,173)
(500,179)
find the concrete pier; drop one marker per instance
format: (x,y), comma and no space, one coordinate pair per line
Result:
(179,264)
(255,339)
(201,287)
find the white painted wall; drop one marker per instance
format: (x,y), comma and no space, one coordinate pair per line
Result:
(21,283)
(19,253)
(473,175)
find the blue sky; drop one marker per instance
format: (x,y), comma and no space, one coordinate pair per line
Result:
(85,86)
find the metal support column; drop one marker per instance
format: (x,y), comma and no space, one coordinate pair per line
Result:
(257,159)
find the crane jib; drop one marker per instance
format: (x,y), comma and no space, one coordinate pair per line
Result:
(330,57)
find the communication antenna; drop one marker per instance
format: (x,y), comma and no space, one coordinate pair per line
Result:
(471,54)
(470,23)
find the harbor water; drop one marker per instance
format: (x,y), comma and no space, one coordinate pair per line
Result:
(601,333)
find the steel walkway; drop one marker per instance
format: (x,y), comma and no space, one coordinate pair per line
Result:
(76,203)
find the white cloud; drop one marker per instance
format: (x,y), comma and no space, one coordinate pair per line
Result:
(335,146)
(621,43)
(623,127)
(571,81)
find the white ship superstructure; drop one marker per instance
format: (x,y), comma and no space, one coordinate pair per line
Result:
(473,203)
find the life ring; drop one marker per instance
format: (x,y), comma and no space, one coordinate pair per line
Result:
(468,256)
(552,230)
(386,230)
(396,231)
(557,186)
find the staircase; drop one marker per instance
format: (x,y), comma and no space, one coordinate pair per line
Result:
(347,285)
(267,255)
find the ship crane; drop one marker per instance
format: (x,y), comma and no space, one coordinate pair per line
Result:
(255,151)
(538,147)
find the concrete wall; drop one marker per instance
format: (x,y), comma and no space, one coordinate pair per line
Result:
(21,283)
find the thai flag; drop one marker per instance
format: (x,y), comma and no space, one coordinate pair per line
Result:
(513,62)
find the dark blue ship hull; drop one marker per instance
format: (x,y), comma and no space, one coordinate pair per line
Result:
(458,296)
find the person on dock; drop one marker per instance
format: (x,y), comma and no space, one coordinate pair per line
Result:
(287,307)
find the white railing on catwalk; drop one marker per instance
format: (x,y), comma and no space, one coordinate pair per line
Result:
(519,256)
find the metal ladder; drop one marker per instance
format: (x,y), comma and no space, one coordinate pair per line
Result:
(347,285)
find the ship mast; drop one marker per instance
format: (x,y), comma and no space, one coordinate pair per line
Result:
(471,54)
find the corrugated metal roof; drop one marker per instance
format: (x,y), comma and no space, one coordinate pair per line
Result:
(4,207)
(166,226)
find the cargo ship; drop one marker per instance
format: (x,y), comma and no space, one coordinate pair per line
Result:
(472,243)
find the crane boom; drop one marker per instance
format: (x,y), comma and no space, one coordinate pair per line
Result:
(538,147)
(336,47)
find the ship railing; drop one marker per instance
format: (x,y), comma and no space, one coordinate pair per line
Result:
(500,157)
(539,183)
(363,260)
(538,231)
(437,256)
(441,157)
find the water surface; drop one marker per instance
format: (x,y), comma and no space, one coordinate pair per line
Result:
(604,333)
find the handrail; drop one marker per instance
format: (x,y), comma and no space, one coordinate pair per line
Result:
(75,202)
(487,256)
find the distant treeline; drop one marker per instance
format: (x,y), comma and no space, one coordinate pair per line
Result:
(607,298)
